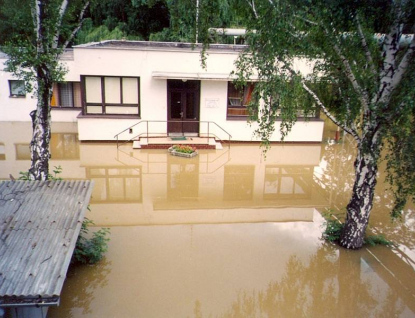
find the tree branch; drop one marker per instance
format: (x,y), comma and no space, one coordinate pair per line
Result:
(252,5)
(403,65)
(363,97)
(62,11)
(350,130)
(36,23)
(365,47)
(391,45)
(392,74)
(80,22)
(306,20)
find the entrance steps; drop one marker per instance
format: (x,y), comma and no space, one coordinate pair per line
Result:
(166,142)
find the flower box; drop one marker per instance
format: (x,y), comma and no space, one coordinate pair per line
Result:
(175,151)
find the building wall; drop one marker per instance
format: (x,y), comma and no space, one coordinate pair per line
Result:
(13,108)
(143,62)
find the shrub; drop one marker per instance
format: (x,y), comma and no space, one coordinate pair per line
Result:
(90,250)
(57,170)
(332,231)
(379,239)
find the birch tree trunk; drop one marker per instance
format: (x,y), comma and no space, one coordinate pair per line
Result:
(47,23)
(361,202)
(41,122)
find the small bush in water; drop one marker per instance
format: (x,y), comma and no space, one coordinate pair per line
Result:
(333,228)
(373,240)
(90,250)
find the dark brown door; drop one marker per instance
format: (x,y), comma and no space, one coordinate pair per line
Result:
(183,106)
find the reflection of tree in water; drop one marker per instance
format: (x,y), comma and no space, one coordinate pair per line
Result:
(330,284)
(337,173)
(80,286)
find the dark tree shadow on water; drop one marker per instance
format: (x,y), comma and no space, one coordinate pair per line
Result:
(78,292)
(332,283)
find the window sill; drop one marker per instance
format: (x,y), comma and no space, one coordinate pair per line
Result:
(237,118)
(106,116)
(17,96)
(65,108)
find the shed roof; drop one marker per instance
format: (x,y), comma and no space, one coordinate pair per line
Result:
(39,225)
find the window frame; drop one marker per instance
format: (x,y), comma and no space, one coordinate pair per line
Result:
(18,95)
(243,106)
(103,104)
(240,109)
(58,97)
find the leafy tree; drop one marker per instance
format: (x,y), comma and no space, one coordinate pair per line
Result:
(187,18)
(132,20)
(362,79)
(33,56)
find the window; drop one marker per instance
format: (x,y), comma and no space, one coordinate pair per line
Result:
(238,101)
(66,95)
(111,95)
(17,88)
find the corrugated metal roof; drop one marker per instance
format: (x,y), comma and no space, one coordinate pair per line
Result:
(39,225)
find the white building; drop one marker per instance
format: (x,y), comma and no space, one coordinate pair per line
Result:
(140,89)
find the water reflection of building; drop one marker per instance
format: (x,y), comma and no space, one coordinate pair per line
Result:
(236,184)
(15,151)
(231,185)
(115,184)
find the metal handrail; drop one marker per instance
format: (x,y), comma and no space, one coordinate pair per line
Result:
(146,133)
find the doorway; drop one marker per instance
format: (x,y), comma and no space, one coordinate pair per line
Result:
(183,99)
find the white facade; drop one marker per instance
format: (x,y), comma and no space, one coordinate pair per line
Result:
(153,65)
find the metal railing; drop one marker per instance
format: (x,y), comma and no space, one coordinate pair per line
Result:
(147,133)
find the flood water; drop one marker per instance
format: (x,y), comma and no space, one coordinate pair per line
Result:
(227,233)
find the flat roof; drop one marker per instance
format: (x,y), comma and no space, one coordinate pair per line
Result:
(151,45)
(39,224)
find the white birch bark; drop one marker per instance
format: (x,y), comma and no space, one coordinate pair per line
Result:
(41,117)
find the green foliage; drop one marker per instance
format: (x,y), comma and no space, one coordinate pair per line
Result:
(373,240)
(184,148)
(327,55)
(33,56)
(332,230)
(25,176)
(124,19)
(400,148)
(57,171)
(90,249)
(162,20)
(24,61)
(88,33)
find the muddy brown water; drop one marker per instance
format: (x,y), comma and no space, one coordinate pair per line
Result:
(228,233)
